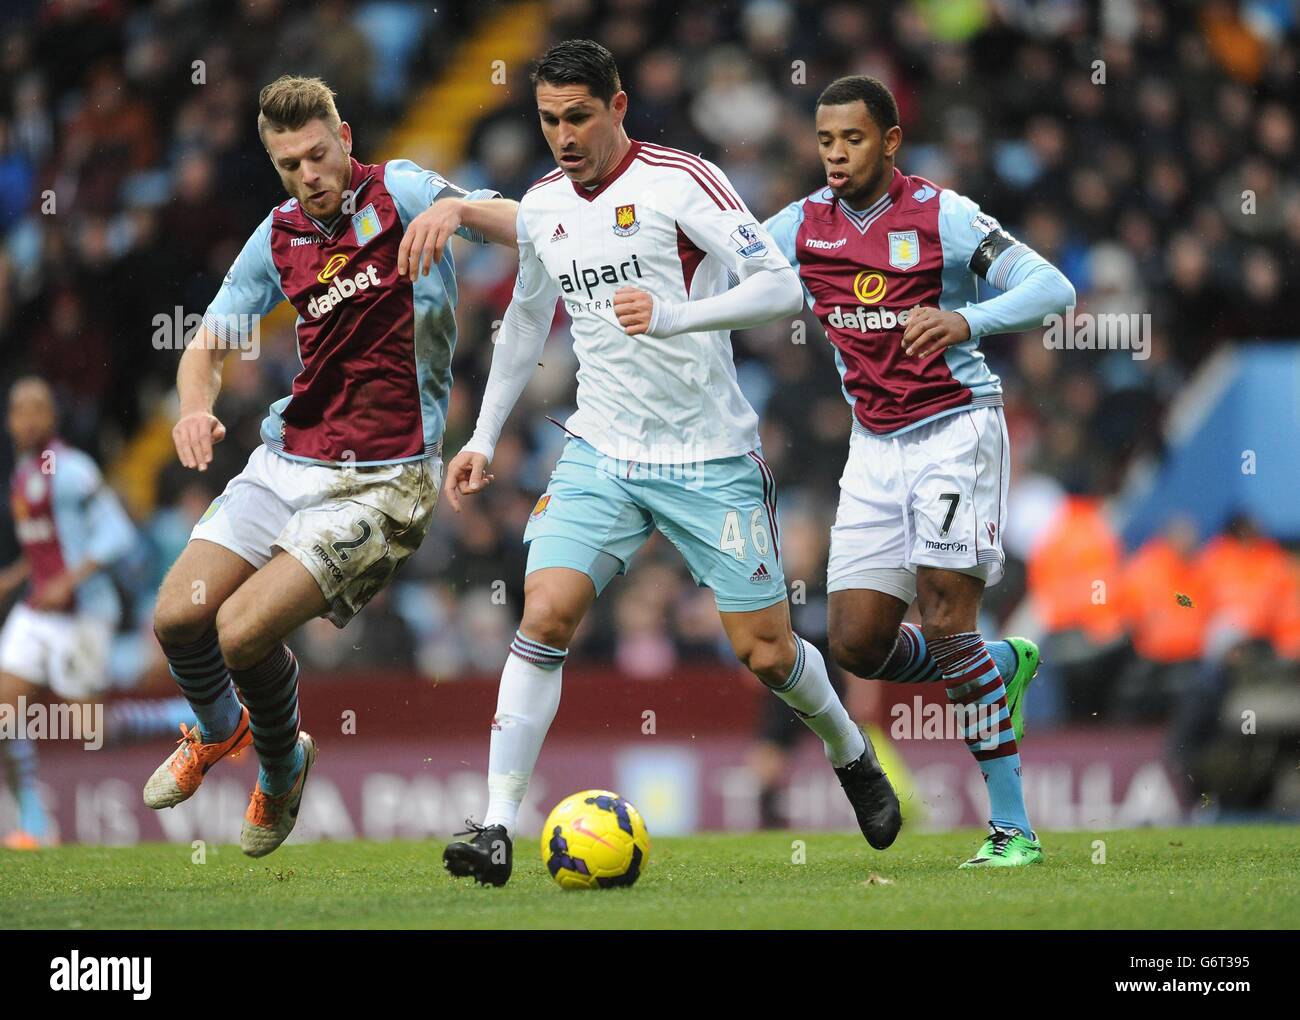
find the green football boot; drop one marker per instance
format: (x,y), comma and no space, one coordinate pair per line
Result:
(1027,659)
(1006,848)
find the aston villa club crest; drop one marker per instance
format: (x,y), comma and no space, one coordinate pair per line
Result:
(904,249)
(625,222)
(366,225)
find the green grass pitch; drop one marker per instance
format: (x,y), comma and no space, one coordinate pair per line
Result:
(1223,877)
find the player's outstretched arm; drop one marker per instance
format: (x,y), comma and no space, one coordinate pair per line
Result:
(761,297)
(249,291)
(515,355)
(516,349)
(198,381)
(494,218)
(427,236)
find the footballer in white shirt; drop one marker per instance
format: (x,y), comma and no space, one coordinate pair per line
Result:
(642,243)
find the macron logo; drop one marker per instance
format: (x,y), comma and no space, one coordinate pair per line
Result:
(814,242)
(74,973)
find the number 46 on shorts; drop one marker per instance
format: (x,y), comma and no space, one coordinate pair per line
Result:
(733,538)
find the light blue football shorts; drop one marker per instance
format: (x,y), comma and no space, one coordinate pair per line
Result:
(721,514)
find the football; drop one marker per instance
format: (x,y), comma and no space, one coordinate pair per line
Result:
(595,840)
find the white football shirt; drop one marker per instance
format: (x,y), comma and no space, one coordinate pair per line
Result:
(669,223)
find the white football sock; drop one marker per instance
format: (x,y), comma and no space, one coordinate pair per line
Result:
(527,700)
(810,694)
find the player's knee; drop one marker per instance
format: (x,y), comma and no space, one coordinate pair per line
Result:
(548,619)
(862,654)
(769,659)
(243,644)
(180,622)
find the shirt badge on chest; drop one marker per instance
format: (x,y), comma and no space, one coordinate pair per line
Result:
(365,225)
(904,249)
(625,221)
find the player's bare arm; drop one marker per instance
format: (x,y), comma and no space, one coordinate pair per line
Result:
(427,236)
(198,381)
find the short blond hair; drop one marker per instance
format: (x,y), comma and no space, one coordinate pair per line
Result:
(290,101)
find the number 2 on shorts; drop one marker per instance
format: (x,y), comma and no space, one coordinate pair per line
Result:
(341,549)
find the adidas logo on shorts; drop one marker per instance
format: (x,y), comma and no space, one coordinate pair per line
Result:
(761,575)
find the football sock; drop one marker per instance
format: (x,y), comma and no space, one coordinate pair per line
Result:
(527,701)
(20,754)
(205,682)
(911,662)
(143,719)
(809,692)
(1004,657)
(270,690)
(972,679)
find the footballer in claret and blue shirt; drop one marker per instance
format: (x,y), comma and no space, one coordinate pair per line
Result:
(71,531)
(342,488)
(906,277)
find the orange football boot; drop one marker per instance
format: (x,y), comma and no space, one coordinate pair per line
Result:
(176,779)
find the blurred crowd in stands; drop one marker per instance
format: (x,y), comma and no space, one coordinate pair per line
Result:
(1149,150)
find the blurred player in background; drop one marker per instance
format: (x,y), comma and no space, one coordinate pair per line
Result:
(892,265)
(639,241)
(70,529)
(343,487)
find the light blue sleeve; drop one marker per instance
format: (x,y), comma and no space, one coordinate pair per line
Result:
(251,289)
(87,508)
(975,243)
(414,189)
(784,228)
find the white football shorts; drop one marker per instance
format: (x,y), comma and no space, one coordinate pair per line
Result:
(935,496)
(66,653)
(351,527)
